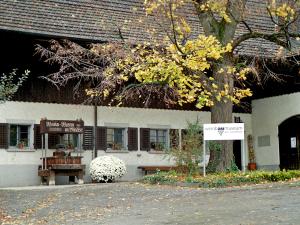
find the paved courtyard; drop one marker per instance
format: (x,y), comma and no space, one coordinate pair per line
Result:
(138,204)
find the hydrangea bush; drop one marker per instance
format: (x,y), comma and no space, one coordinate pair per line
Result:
(107,168)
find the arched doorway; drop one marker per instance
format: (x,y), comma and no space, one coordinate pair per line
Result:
(289,143)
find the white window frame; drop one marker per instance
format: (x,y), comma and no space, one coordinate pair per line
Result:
(30,125)
(79,137)
(125,138)
(167,130)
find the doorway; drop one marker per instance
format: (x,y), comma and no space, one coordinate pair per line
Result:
(237,153)
(289,143)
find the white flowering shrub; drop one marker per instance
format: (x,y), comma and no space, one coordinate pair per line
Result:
(107,168)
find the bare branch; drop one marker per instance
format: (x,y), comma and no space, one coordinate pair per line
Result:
(272,17)
(241,21)
(174,30)
(247,26)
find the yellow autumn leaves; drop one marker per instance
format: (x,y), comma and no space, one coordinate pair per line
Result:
(214,6)
(284,11)
(218,7)
(187,66)
(183,68)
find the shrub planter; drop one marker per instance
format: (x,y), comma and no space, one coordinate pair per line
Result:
(107,169)
(251,166)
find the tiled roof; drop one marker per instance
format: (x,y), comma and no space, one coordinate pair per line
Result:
(99,20)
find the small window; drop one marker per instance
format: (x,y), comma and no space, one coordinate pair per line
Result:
(116,138)
(263,141)
(158,139)
(19,136)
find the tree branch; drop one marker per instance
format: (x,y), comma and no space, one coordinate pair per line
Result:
(247,26)
(208,21)
(275,38)
(235,10)
(174,29)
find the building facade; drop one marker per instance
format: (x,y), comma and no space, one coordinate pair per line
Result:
(134,135)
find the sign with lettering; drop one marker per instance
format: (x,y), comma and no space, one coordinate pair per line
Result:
(61,126)
(293,142)
(223,131)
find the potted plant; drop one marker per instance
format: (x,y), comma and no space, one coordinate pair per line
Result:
(116,146)
(22,144)
(251,153)
(70,146)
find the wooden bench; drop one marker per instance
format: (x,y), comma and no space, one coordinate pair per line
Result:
(156,168)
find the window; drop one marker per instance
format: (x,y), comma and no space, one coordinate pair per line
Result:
(19,136)
(116,138)
(70,141)
(158,139)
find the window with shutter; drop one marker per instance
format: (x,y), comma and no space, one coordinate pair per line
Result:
(132,139)
(4,135)
(115,138)
(70,141)
(145,139)
(19,136)
(88,138)
(158,139)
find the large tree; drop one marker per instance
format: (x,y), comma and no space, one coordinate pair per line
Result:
(192,57)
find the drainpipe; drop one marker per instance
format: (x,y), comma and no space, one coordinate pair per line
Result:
(95,130)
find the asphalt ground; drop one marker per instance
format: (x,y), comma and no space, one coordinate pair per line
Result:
(139,204)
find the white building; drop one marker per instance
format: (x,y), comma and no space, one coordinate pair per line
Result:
(18,166)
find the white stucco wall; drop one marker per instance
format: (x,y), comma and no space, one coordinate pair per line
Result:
(267,114)
(131,117)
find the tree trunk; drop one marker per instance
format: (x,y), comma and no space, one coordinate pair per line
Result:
(221,158)
(221,152)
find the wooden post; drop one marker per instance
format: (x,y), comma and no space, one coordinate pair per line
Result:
(46,148)
(95,131)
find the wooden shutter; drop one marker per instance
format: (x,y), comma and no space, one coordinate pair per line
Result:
(183,133)
(4,135)
(174,138)
(101,138)
(132,139)
(53,140)
(88,138)
(145,139)
(37,137)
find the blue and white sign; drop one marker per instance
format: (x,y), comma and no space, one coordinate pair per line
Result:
(223,131)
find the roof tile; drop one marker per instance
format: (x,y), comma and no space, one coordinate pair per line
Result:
(99,20)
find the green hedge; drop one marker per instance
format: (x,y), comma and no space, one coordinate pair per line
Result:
(222,179)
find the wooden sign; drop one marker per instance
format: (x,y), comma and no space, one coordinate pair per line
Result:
(61,126)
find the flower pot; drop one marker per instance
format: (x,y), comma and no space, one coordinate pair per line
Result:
(251,166)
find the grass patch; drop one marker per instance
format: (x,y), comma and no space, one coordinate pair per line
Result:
(222,179)
(161,178)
